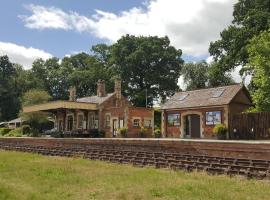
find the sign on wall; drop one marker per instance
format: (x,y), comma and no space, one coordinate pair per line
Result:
(174,119)
(213,118)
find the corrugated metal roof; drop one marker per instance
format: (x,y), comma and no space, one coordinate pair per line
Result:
(203,97)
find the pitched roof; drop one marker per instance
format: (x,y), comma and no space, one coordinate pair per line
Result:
(203,97)
(95,99)
(17,120)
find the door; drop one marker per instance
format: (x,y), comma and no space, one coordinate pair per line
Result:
(115,127)
(70,123)
(195,126)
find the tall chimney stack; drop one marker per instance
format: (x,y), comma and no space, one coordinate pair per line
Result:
(117,87)
(101,92)
(72,93)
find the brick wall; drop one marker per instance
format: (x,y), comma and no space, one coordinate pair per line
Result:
(235,149)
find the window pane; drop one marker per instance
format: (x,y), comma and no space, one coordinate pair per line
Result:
(136,122)
(173,120)
(213,118)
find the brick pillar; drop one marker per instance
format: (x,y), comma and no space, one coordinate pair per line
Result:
(117,88)
(101,92)
(72,93)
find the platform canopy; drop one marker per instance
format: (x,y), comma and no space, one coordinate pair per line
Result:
(56,105)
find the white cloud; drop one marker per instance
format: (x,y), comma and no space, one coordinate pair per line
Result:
(22,55)
(190,24)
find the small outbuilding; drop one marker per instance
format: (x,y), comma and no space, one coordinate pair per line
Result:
(193,114)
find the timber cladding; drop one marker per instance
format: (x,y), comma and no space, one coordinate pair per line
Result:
(234,149)
(250,126)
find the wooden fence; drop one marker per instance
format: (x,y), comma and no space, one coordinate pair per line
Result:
(250,126)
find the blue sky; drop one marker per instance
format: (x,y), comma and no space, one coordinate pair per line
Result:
(32,29)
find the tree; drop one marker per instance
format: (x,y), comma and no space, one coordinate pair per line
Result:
(37,120)
(87,71)
(251,17)
(149,67)
(216,77)
(9,101)
(259,60)
(195,75)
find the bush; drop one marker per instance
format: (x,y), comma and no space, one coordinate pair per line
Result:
(57,134)
(142,132)
(15,133)
(94,133)
(221,131)
(101,133)
(4,131)
(26,130)
(157,133)
(123,132)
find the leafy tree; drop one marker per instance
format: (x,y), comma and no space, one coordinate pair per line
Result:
(251,17)
(195,75)
(37,120)
(259,54)
(216,77)
(87,71)
(148,66)
(9,101)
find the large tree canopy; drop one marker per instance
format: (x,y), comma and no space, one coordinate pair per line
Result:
(259,51)
(9,90)
(148,66)
(250,18)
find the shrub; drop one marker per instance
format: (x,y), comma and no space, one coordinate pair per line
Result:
(220,130)
(142,132)
(94,133)
(157,133)
(4,131)
(123,132)
(57,134)
(26,130)
(101,133)
(15,133)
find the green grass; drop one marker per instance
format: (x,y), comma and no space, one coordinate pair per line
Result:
(30,176)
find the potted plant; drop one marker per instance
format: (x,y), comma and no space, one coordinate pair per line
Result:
(142,132)
(123,132)
(157,133)
(220,130)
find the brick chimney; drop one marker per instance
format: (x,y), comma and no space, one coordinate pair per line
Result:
(117,87)
(72,93)
(101,92)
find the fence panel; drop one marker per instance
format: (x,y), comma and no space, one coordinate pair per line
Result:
(250,126)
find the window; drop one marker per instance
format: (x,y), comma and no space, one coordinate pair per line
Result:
(91,120)
(69,123)
(107,121)
(80,121)
(213,118)
(136,122)
(147,123)
(121,123)
(218,93)
(173,119)
(183,97)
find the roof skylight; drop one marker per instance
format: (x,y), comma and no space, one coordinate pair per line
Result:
(218,93)
(182,97)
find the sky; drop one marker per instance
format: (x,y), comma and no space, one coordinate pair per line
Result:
(57,28)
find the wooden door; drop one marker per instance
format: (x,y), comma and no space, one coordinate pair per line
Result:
(195,126)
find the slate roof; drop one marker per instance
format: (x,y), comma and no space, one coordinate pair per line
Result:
(95,99)
(203,97)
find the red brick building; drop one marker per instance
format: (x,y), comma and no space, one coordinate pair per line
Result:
(193,114)
(107,112)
